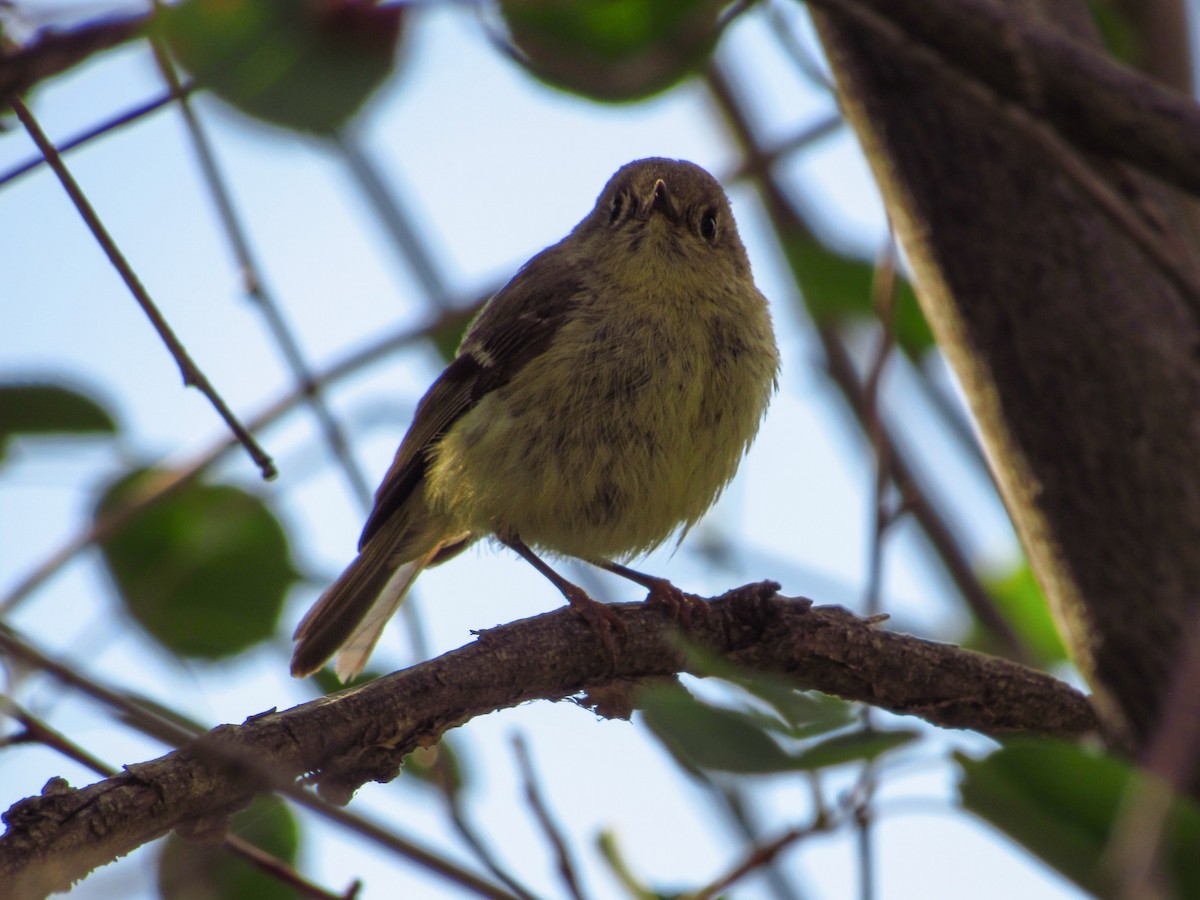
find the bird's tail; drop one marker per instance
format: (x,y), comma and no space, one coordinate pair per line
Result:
(356,650)
(352,612)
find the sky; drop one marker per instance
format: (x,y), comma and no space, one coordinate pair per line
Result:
(495,166)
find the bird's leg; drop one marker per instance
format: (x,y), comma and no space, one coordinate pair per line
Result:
(601,618)
(676,603)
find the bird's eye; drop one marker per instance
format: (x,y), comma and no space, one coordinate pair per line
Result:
(618,206)
(708,224)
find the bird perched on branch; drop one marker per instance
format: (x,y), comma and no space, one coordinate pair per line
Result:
(598,405)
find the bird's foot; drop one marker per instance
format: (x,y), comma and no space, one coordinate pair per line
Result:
(681,606)
(604,621)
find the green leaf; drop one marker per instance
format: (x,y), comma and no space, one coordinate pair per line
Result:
(1118,34)
(448,336)
(709,737)
(1024,606)
(613,50)
(1062,803)
(193,870)
(858,746)
(303,64)
(837,288)
(40,409)
(438,766)
(806,713)
(619,867)
(204,571)
(327,681)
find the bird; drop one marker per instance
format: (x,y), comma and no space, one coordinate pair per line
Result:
(598,405)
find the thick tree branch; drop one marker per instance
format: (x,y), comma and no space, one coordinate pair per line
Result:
(364,733)
(53,52)
(1076,350)
(1096,103)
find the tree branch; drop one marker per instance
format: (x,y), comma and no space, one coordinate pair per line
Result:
(1096,103)
(364,733)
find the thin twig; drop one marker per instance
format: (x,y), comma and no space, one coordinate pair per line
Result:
(566,866)
(733,804)
(192,374)
(466,831)
(1172,763)
(285,873)
(801,56)
(111,522)
(757,857)
(885,306)
(442,774)
(256,288)
(757,166)
(126,118)
(841,369)
(395,218)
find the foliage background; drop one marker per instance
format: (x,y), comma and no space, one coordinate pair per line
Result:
(488,164)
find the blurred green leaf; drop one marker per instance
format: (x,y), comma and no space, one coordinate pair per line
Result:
(49,409)
(709,737)
(204,571)
(1115,31)
(447,337)
(838,288)
(858,746)
(303,64)
(1061,803)
(1024,606)
(328,683)
(613,50)
(610,852)
(193,870)
(438,766)
(806,713)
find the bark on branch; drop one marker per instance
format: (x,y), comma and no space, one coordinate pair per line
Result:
(364,733)
(1075,346)
(1095,102)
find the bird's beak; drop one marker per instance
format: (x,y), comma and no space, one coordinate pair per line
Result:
(662,201)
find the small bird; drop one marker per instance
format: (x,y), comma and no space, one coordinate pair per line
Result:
(598,405)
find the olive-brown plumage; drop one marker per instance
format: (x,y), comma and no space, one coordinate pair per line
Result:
(598,405)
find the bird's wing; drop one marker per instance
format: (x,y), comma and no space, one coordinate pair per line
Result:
(515,326)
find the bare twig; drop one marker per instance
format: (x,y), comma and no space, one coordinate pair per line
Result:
(255,286)
(801,56)
(1172,763)
(126,118)
(395,218)
(758,857)
(885,305)
(732,802)
(192,374)
(113,521)
(282,871)
(845,376)
(54,52)
(533,794)
(468,833)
